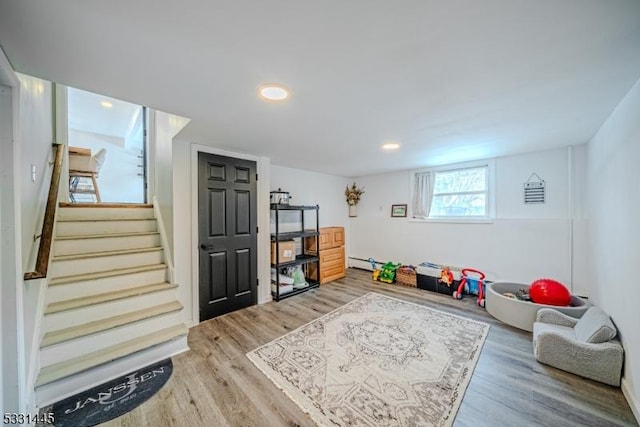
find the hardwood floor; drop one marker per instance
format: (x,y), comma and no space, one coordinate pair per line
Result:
(215,384)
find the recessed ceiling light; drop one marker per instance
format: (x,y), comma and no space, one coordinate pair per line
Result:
(390,146)
(106,104)
(273,92)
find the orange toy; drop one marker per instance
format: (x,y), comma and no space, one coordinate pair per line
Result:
(446,276)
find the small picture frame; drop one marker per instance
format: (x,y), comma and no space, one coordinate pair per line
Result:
(398,211)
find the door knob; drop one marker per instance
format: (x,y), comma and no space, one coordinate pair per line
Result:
(206,247)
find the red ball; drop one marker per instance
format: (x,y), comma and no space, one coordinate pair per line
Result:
(550,292)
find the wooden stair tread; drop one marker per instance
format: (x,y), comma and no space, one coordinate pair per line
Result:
(67,334)
(79,364)
(100,236)
(103,219)
(63,280)
(74,303)
(106,253)
(105,205)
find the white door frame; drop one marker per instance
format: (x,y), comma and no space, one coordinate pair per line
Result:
(12,349)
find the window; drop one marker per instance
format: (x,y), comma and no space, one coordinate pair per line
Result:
(452,193)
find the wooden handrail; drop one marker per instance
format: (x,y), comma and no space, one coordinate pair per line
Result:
(46,238)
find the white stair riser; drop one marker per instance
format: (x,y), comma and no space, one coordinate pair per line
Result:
(104,213)
(78,347)
(96,264)
(106,284)
(78,316)
(83,246)
(85,228)
(69,386)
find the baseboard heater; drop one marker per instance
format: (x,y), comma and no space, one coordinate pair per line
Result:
(361,263)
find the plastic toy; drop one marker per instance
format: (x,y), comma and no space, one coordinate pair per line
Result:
(549,292)
(373,262)
(388,272)
(473,285)
(446,276)
(376,270)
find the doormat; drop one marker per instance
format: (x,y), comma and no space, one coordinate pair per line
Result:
(376,361)
(111,399)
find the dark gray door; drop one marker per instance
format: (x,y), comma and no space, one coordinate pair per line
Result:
(227,227)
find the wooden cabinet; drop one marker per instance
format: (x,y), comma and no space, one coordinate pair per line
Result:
(330,237)
(332,257)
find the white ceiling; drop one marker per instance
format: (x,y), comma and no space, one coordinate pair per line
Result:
(450,80)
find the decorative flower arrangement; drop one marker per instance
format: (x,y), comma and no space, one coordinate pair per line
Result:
(353,194)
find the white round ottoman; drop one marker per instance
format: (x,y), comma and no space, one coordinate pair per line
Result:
(522,314)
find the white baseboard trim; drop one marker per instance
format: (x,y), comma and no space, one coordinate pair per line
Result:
(631,399)
(266,299)
(359,263)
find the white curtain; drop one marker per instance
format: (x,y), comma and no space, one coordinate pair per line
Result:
(422,192)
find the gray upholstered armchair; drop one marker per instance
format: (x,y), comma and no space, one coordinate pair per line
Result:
(587,346)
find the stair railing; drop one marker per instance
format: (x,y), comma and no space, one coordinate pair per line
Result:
(46,237)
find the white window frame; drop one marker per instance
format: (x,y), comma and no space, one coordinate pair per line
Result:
(491,193)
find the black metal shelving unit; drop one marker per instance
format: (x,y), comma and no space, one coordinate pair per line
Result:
(302,259)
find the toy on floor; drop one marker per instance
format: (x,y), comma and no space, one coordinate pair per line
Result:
(550,292)
(388,272)
(446,276)
(407,275)
(473,285)
(376,270)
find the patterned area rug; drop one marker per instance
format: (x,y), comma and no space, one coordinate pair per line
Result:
(376,361)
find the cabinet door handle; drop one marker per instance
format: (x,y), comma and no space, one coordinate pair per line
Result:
(206,247)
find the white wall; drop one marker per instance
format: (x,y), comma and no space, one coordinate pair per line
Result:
(6,141)
(165,127)
(11,284)
(512,172)
(613,206)
(27,138)
(35,140)
(522,243)
(162,162)
(182,262)
(313,188)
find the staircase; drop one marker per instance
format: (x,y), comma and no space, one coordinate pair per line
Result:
(109,306)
